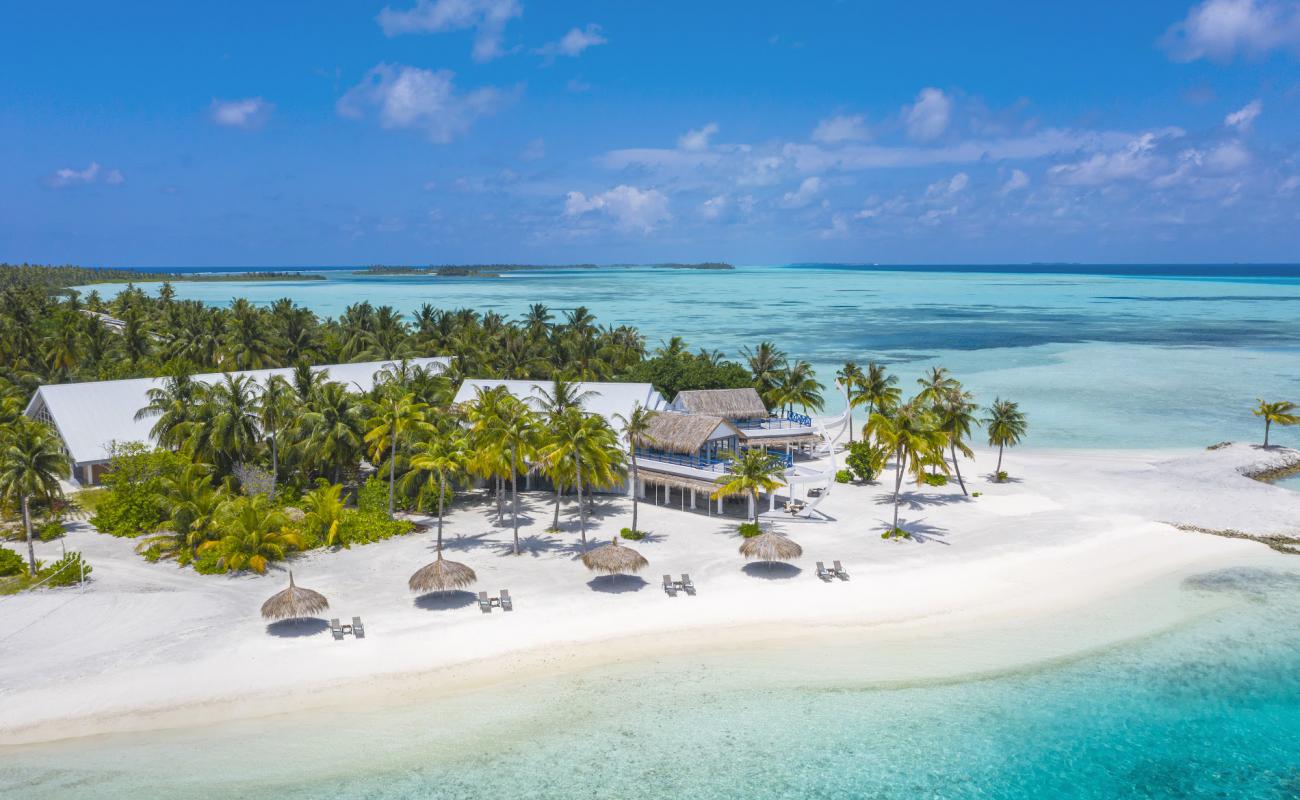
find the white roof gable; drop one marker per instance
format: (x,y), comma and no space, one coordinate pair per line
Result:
(90,416)
(608,398)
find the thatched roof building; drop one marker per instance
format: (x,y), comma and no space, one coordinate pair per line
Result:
(685,433)
(725,403)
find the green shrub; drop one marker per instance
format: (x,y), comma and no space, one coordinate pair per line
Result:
(64,572)
(1002,476)
(208,562)
(372,497)
(628,533)
(11,563)
(976,494)
(365,527)
(749,529)
(843,476)
(133,484)
(935,479)
(866,460)
(895,533)
(50,531)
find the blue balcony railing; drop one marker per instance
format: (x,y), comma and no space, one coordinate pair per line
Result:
(700,462)
(789,420)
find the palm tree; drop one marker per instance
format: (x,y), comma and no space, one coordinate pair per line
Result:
(227,431)
(850,377)
(877,391)
(636,430)
(765,364)
(394,419)
(334,429)
(1280,412)
(277,409)
(956,412)
(912,436)
(443,454)
(751,472)
(516,431)
(1006,426)
(323,512)
(797,385)
(935,384)
(254,534)
(31,462)
(591,446)
(192,504)
(174,405)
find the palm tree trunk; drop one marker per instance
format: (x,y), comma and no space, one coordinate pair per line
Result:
(898,487)
(1267,423)
(442,492)
(31,549)
(555,523)
(956,466)
(275,467)
(754,497)
(998,471)
(635,487)
(499,483)
(582,509)
(514,492)
(392,470)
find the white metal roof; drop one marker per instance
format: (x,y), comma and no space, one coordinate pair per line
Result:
(90,416)
(607,400)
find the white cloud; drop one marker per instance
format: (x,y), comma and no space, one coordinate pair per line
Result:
(1223,29)
(838,229)
(1016,182)
(630,208)
(944,189)
(573,42)
(1243,118)
(534,150)
(409,97)
(1137,160)
(712,208)
(1289,186)
(1227,157)
(248,113)
(927,118)
(697,139)
(841,128)
(94,173)
(488,18)
(577,85)
(805,194)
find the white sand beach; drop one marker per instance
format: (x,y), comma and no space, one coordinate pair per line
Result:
(146,646)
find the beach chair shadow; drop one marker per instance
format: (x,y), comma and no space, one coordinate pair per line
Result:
(617,584)
(297,628)
(771,570)
(445,601)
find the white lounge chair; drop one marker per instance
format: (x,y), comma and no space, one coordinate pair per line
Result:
(484,604)
(336,629)
(357,630)
(687,586)
(506,603)
(824,573)
(670,588)
(840,572)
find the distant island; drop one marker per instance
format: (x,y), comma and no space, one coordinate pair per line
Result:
(495,270)
(62,277)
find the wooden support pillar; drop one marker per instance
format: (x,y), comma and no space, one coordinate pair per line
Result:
(771,501)
(692,499)
(719,505)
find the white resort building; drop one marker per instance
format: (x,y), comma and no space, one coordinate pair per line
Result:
(90,417)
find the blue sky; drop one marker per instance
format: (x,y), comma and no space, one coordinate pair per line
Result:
(451,131)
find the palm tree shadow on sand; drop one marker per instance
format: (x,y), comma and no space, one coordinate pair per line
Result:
(771,570)
(445,601)
(915,501)
(617,584)
(297,628)
(923,532)
(533,544)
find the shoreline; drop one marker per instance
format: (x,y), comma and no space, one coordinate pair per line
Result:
(1039,554)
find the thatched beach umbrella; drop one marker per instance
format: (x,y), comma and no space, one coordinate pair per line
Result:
(441,576)
(294,603)
(770,546)
(614,558)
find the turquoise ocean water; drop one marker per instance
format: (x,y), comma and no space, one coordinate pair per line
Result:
(1159,359)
